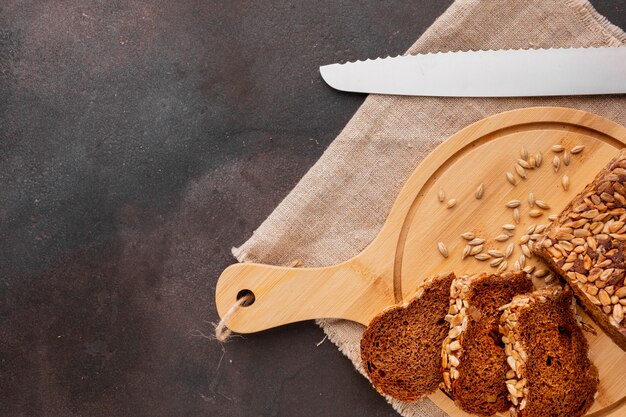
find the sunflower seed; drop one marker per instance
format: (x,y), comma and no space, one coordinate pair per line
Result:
(516,215)
(517,266)
(540,273)
(542,204)
(508,226)
(531,199)
(442,249)
(523,153)
(553,217)
(566,158)
(535,213)
(510,178)
(479,191)
(451,203)
(529,269)
(531,229)
(526,250)
(476,241)
(476,250)
(495,253)
(538,159)
(509,250)
(565,182)
(502,238)
(468,235)
(520,171)
(513,203)
(578,149)
(523,164)
(466,251)
(524,239)
(502,267)
(442,195)
(496,262)
(482,256)
(556,163)
(557,148)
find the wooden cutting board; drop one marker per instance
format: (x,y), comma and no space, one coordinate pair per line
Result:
(405,251)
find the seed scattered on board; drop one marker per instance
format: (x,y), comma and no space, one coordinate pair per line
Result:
(510,178)
(442,249)
(479,191)
(498,258)
(523,153)
(476,250)
(565,182)
(557,148)
(476,241)
(542,204)
(566,158)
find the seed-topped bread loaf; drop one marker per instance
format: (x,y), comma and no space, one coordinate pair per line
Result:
(587,246)
(401,346)
(549,371)
(473,358)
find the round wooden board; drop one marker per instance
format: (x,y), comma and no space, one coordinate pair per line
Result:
(472,158)
(405,253)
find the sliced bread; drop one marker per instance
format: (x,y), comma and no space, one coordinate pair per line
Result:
(549,372)
(473,358)
(401,346)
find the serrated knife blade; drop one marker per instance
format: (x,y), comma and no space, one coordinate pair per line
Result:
(502,73)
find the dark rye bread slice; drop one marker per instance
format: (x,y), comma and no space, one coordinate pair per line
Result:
(550,372)
(401,346)
(473,359)
(586,245)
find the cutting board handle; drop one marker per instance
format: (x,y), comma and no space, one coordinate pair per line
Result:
(350,290)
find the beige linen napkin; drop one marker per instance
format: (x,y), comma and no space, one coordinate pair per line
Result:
(341,203)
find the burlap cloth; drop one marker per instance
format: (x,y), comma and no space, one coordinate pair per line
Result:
(341,203)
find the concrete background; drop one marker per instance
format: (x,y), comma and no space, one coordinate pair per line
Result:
(139,142)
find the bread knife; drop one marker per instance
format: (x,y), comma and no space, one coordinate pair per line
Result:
(502,73)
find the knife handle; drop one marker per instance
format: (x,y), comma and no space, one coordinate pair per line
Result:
(282,295)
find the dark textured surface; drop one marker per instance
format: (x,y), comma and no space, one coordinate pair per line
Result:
(139,141)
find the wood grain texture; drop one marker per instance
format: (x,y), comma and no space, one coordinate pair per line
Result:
(405,251)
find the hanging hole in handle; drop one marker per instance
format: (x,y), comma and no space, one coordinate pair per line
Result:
(246,293)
